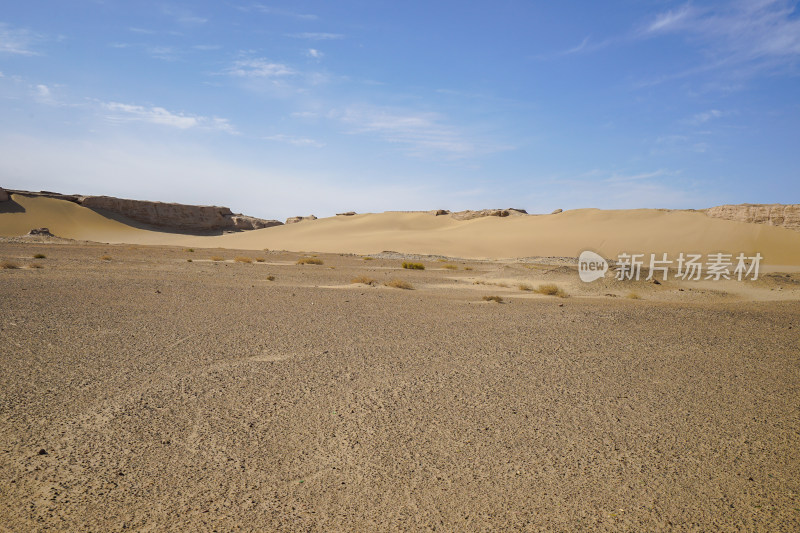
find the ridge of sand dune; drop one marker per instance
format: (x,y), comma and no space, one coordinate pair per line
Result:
(608,232)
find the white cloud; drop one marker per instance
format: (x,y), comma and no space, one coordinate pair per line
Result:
(281,12)
(17,41)
(618,178)
(158,115)
(670,20)
(753,34)
(314,53)
(259,68)
(318,36)
(422,133)
(296,141)
(705,116)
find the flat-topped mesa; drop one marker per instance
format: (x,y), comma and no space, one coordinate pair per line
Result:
(169,216)
(177,216)
(781,215)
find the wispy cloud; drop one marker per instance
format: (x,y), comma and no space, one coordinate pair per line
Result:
(277,11)
(17,41)
(163,53)
(317,36)
(706,116)
(619,178)
(670,20)
(314,53)
(745,36)
(183,16)
(117,112)
(296,141)
(259,68)
(421,133)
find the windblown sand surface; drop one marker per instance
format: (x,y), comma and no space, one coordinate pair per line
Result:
(151,393)
(563,235)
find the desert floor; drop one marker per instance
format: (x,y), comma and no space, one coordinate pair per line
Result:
(147,392)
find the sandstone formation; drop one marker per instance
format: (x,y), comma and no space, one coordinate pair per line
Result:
(469,214)
(295,220)
(439,212)
(787,216)
(557,211)
(170,216)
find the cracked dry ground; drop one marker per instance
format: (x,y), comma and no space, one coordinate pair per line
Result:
(150,393)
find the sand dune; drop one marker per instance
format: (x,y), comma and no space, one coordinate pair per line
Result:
(608,232)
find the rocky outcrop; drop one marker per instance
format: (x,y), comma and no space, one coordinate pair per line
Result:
(439,212)
(787,216)
(295,220)
(176,216)
(469,215)
(557,211)
(347,214)
(4,197)
(169,216)
(43,232)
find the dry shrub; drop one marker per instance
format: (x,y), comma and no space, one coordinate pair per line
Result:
(270,278)
(217,258)
(8,265)
(188,250)
(188,260)
(260,259)
(497,299)
(242,259)
(413,266)
(550,289)
(399,284)
(309,261)
(633,296)
(524,287)
(35,265)
(39,256)
(366,280)
(467,268)
(105,258)
(450,267)
(368,258)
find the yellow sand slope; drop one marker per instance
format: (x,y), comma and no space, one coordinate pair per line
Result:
(565,234)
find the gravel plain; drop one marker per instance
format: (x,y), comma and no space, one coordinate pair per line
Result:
(150,393)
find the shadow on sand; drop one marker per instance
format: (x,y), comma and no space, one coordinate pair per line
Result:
(10,206)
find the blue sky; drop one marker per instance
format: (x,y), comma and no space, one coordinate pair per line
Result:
(286,108)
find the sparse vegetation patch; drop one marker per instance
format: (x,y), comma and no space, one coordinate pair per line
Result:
(399,284)
(217,258)
(105,258)
(413,266)
(550,289)
(366,280)
(494,298)
(309,261)
(242,259)
(39,256)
